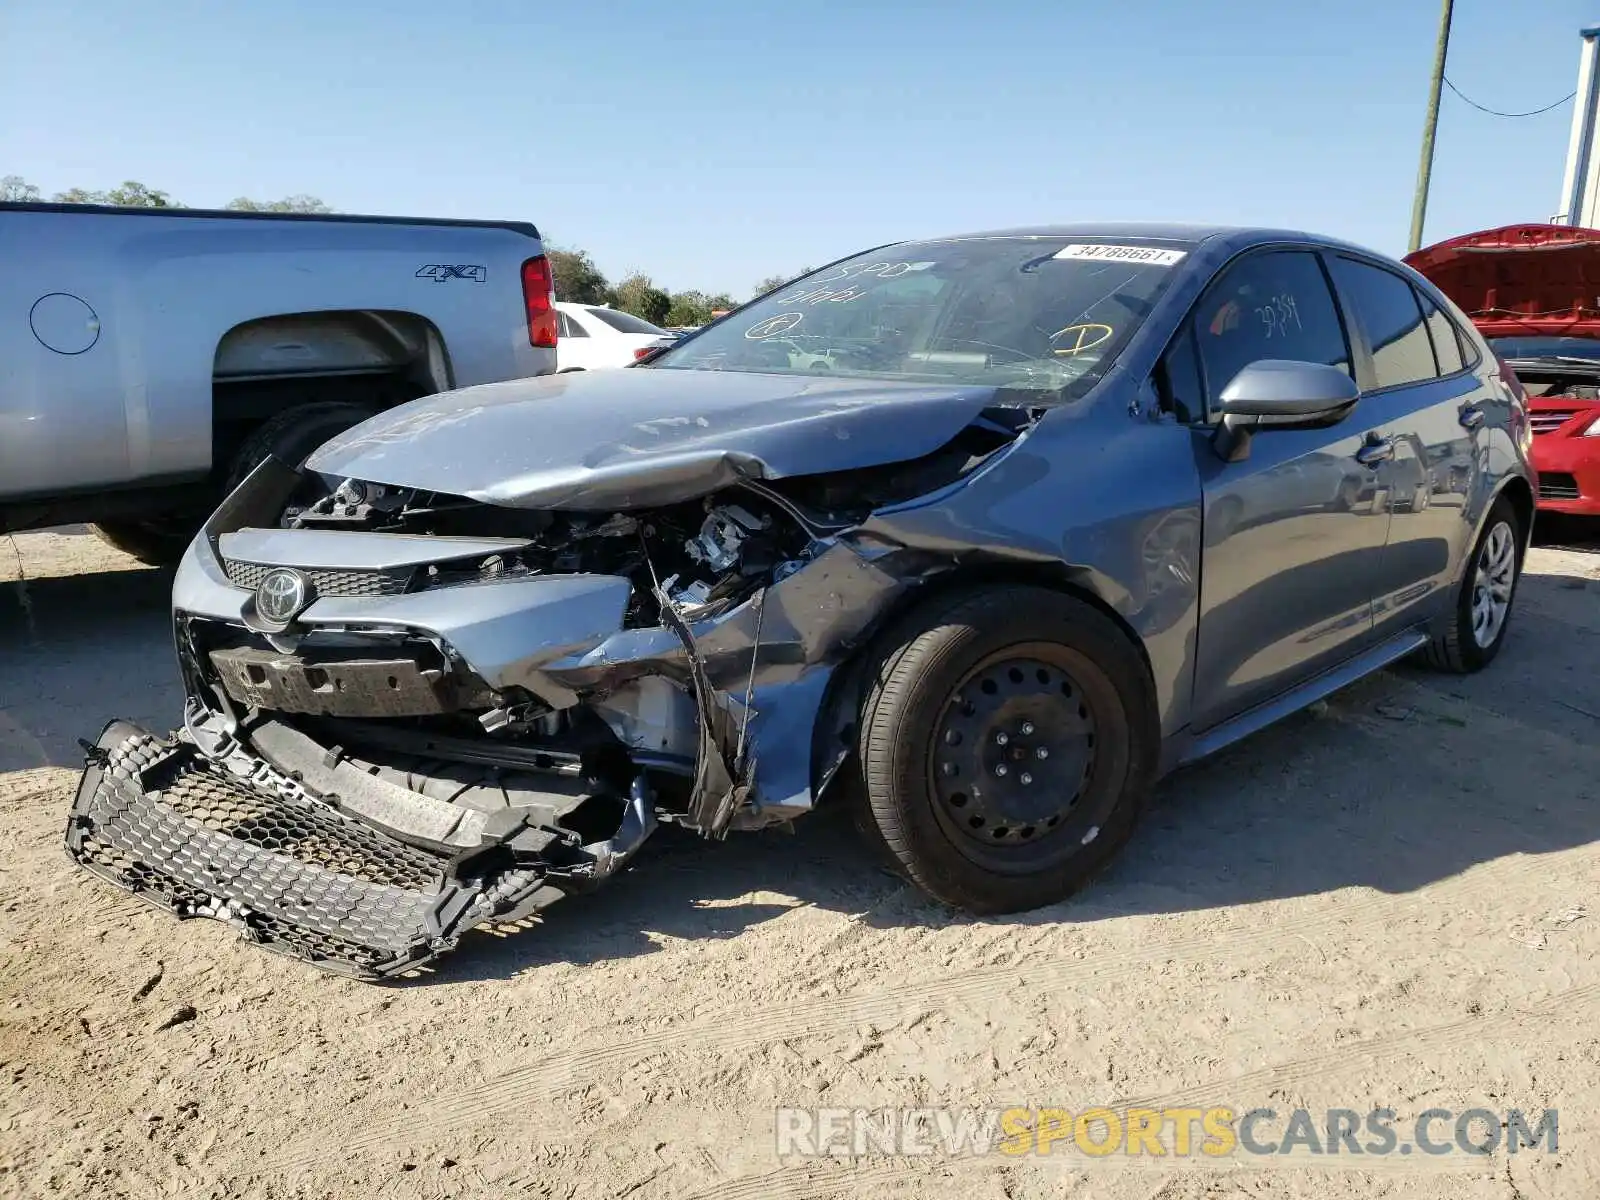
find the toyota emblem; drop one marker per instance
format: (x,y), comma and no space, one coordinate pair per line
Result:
(281,596)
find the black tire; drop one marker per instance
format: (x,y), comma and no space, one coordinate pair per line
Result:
(293,434)
(1064,665)
(160,542)
(1459,649)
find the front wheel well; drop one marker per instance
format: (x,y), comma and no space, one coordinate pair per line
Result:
(834,734)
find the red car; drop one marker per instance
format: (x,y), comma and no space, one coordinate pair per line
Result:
(1534,292)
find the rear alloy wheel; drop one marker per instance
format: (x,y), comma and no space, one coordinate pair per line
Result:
(1482,609)
(1493,580)
(1007,745)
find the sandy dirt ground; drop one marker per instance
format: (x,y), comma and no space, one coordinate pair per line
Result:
(1392,902)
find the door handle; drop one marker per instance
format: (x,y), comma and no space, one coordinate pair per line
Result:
(1471,416)
(1375,451)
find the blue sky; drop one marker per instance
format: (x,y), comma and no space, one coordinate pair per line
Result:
(712,143)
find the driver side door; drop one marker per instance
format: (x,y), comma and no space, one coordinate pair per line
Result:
(1292,535)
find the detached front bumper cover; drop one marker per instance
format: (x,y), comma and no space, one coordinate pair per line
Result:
(186,835)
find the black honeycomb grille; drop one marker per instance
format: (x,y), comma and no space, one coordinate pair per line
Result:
(304,832)
(165,823)
(325,582)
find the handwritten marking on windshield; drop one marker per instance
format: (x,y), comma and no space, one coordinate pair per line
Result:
(1076,339)
(823,295)
(882,270)
(1147,256)
(773,326)
(1278,312)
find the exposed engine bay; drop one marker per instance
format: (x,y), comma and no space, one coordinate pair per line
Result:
(700,556)
(412,712)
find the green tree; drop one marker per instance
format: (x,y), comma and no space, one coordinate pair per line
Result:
(130,194)
(689,308)
(695,308)
(289,204)
(17,189)
(639,295)
(771,283)
(577,278)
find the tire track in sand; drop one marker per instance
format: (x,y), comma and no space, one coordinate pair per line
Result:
(520,1087)
(812,1181)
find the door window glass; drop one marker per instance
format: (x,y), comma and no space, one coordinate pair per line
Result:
(1180,386)
(1386,307)
(1271,305)
(1446,342)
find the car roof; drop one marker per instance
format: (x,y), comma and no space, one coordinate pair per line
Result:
(1236,237)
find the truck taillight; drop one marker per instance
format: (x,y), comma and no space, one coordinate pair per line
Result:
(536,298)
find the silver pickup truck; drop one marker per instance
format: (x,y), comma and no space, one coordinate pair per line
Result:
(149,358)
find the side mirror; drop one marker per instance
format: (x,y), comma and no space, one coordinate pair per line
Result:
(1280,394)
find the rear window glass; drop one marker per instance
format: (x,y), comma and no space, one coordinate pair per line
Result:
(624,322)
(1387,308)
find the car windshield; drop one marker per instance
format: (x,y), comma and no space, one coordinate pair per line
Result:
(624,322)
(1547,347)
(1034,313)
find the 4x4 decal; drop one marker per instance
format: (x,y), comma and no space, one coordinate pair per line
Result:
(439,272)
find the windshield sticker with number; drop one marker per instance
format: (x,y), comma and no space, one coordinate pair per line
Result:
(1144,256)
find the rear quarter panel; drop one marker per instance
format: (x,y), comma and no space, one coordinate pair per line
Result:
(136,405)
(1501,457)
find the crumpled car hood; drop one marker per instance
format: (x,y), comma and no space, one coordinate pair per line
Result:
(598,440)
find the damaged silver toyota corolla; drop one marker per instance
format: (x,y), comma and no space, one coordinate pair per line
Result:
(983,533)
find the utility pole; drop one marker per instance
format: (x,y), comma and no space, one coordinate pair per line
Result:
(1419,206)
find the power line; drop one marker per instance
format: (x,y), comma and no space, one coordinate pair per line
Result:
(1496,113)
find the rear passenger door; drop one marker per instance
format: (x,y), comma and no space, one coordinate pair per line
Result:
(1419,391)
(1292,541)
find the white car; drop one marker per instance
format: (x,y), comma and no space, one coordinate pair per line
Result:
(592,336)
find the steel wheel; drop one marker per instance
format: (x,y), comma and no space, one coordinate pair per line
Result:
(1007,744)
(1011,757)
(1493,579)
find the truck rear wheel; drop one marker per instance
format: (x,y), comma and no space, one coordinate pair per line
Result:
(293,434)
(159,542)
